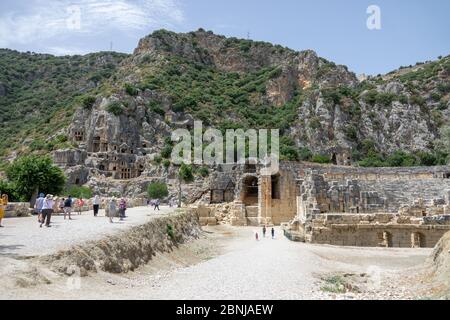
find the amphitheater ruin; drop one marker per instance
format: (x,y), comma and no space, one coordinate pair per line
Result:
(337,205)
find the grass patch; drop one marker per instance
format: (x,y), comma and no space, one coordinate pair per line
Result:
(338,284)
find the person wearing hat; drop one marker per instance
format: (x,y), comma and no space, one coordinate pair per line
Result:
(47,210)
(38,206)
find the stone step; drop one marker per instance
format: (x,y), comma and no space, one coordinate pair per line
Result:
(252,211)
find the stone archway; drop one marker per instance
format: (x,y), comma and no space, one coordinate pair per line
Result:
(250,190)
(385,239)
(418,240)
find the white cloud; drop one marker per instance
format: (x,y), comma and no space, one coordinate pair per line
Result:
(52,18)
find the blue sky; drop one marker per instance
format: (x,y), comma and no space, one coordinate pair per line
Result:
(411,30)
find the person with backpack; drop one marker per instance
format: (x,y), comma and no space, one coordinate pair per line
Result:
(68,207)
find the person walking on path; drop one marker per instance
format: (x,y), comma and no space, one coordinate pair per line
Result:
(112,209)
(156,205)
(264,231)
(47,210)
(256,236)
(61,205)
(3,203)
(96,204)
(273,233)
(38,206)
(80,205)
(68,207)
(122,208)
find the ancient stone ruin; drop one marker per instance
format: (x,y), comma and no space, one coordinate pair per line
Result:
(388,207)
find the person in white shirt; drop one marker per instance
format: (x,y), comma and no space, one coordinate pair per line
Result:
(47,210)
(96,204)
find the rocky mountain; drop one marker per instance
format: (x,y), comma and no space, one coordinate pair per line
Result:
(113,113)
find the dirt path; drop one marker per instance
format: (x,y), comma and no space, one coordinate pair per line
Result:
(227,263)
(23,237)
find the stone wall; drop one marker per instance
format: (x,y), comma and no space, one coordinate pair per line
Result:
(369,235)
(17,209)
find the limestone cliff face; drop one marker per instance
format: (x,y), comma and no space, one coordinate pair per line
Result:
(173,79)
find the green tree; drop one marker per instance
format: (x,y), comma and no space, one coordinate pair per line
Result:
(31,174)
(157,190)
(8,188)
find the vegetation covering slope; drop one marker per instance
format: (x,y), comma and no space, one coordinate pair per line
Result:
(38,94)
(319,107)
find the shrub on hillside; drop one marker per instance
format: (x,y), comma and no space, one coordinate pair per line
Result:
(116,108)
(157,190)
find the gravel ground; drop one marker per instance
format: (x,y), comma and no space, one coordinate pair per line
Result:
(227,263)
(23,237)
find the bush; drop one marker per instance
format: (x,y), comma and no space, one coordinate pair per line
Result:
(427,159)
(305,154)
(166,163)
(351,132)
(132,91)
(384,99)
(186,173)
(116,108)
(157,190)
(170,231)
(289,153)
(372,160)
(320,158)
(156,108)
(371,97)
(166,152)
(79,192)
(157,159)
(203,171)
(403,99)
(401,159)
(184,103)
(417,100)
(88,101)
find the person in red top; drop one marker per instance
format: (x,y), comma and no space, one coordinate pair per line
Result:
(80,205)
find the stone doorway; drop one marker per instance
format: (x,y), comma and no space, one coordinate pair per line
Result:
(250,191)
(418,240)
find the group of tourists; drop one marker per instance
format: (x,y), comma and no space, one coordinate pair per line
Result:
(46,205)
(116,209)
(264,231)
